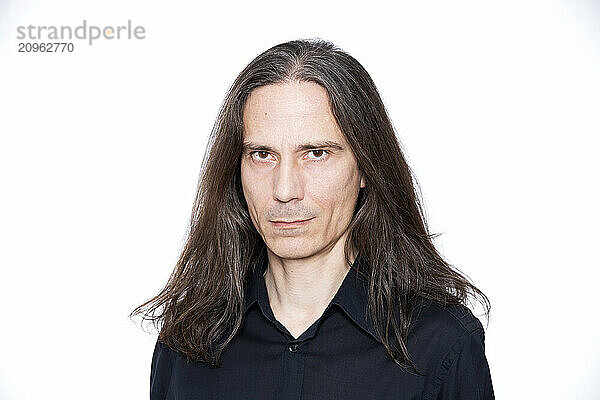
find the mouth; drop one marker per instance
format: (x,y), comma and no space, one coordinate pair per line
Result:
(290,224)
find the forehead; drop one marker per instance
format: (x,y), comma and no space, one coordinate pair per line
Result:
(296,108)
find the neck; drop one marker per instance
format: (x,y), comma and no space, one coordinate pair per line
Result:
(301,289)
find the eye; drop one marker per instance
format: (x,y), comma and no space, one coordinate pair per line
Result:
(319,153)
(260,154)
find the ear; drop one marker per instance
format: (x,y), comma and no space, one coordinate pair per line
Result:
(362,181)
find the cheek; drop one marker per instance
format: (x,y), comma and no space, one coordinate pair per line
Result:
(252,189)
(334,191)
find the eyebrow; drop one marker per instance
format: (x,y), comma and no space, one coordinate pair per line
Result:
(325,144)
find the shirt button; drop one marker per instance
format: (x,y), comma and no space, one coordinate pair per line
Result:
(293,347)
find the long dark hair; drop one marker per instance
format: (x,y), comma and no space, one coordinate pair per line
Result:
(203,300)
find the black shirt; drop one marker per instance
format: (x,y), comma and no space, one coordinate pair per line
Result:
(338,357)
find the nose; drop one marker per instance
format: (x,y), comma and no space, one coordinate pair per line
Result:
(288,182)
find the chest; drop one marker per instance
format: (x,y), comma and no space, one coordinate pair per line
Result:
(338,362)
(296,325)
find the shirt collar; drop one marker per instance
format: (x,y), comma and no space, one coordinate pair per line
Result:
(351,297)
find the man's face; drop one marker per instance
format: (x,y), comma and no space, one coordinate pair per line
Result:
(284,181)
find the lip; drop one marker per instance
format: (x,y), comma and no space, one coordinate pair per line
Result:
(293,224)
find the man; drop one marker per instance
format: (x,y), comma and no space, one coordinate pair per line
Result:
(309,272)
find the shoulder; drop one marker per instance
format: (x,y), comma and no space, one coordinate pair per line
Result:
(438,332)
(161,370)
(448,341)
(453,319)
(162,357)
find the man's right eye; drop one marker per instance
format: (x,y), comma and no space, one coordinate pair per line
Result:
(260,154)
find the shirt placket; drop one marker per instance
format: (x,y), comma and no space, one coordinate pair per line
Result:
(292,360)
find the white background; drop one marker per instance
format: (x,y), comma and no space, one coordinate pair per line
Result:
(496,105)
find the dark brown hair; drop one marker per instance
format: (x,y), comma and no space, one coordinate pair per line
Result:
(203,300)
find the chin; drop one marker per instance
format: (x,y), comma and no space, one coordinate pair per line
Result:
(290,248)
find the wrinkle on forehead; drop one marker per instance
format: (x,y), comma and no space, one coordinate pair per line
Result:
(305,98)
(306,104)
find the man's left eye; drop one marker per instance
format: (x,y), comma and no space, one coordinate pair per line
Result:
(319,153)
